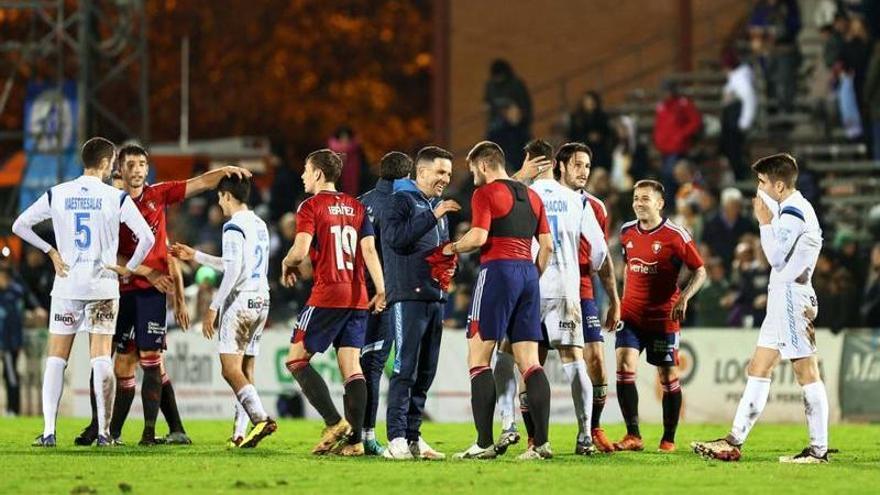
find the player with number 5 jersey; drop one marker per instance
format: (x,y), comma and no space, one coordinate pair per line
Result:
(333,229)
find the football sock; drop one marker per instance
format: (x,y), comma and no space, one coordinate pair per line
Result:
(373,367)
(483,403)
(251,403)
(581,395)
(752,403)
(628,399)
(151,393)
(539,401)
(671,409)
(125,388)
(93,426)
(526,414)
(240,423)
(53,385)
(168,405)
(505,388)
(816,408)
(315,390)
(355,401)
(369,434)
(600,393)
(102,369)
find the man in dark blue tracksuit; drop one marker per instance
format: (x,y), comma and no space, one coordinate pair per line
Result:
(393,167)
(413,228)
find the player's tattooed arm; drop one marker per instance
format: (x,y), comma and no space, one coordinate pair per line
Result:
(371,259)
(297,254)
(609,283)
(210,180)
(679,311)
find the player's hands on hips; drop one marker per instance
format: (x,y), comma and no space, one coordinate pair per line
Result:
(612,318)
(679,311)
(61,267)
(762,211)
(208,323)
(377,303)
(446,206)
(241,173)
(183,252)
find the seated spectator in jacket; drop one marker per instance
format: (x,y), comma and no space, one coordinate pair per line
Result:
(726,227)
(870,308)
(715,299)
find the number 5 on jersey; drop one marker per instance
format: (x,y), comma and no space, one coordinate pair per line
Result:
(345,242)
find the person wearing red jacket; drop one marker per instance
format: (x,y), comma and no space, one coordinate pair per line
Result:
(676,122)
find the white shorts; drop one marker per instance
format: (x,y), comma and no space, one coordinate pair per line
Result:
(69,316)
(562,323)
(785,326)
(242,322)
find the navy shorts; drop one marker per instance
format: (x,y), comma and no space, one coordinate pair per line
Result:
(140,325)
(318,328)
(661,349)
(506,302)
(592,322)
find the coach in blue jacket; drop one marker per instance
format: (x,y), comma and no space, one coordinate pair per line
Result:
(413,227)
(394,168)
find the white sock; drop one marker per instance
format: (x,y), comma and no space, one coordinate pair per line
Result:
(241,421)
(581,394)
(102,368)
(505,387)
(251,403)
(751,405)
(53,385)
(369,434)
(816,408)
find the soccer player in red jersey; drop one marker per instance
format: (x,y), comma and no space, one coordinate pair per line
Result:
(507,216)
(140,327)
(654,250)
(336,312)
(574,161)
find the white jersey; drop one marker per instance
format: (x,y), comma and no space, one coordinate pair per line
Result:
(86,214)
(792,241)
(570,218)
(245,261)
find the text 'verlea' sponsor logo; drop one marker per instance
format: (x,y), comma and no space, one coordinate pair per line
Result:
(638,265)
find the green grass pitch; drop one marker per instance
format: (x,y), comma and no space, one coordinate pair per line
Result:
(282,464)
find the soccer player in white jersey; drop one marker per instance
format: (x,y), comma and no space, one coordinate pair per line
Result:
(86,214)
(792,239)
(243,303)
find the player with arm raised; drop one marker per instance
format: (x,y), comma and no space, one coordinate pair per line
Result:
(792,240)
(86,216)
(336,312)
(242,302)
(653,307)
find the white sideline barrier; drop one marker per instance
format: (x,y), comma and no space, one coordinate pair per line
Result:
(713,364)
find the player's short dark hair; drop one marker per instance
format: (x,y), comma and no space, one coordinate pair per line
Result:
(489,153)
(652,184)
(130,150)
(238,187)
(327,161)
(395,165)
(96,149)
(780,166)
(431,153)
(567,150)
(539,147)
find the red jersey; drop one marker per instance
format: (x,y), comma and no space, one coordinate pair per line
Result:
(337,223)
(653,261)
(151,203)
(584,250)
(512,214)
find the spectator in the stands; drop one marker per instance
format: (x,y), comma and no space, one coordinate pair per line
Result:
(854,60)
(870,307)
(740,105)
(512,135)
(629,158)
(774,26)
(750,276)
(714,300)
(871,99)
(727,226)
(356,172)
(38,276)
(591,125)
(12,296)
(287,185)
(677,121)
(212,232)
(502,88)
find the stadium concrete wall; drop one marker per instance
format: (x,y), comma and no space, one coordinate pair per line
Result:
(713,364)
